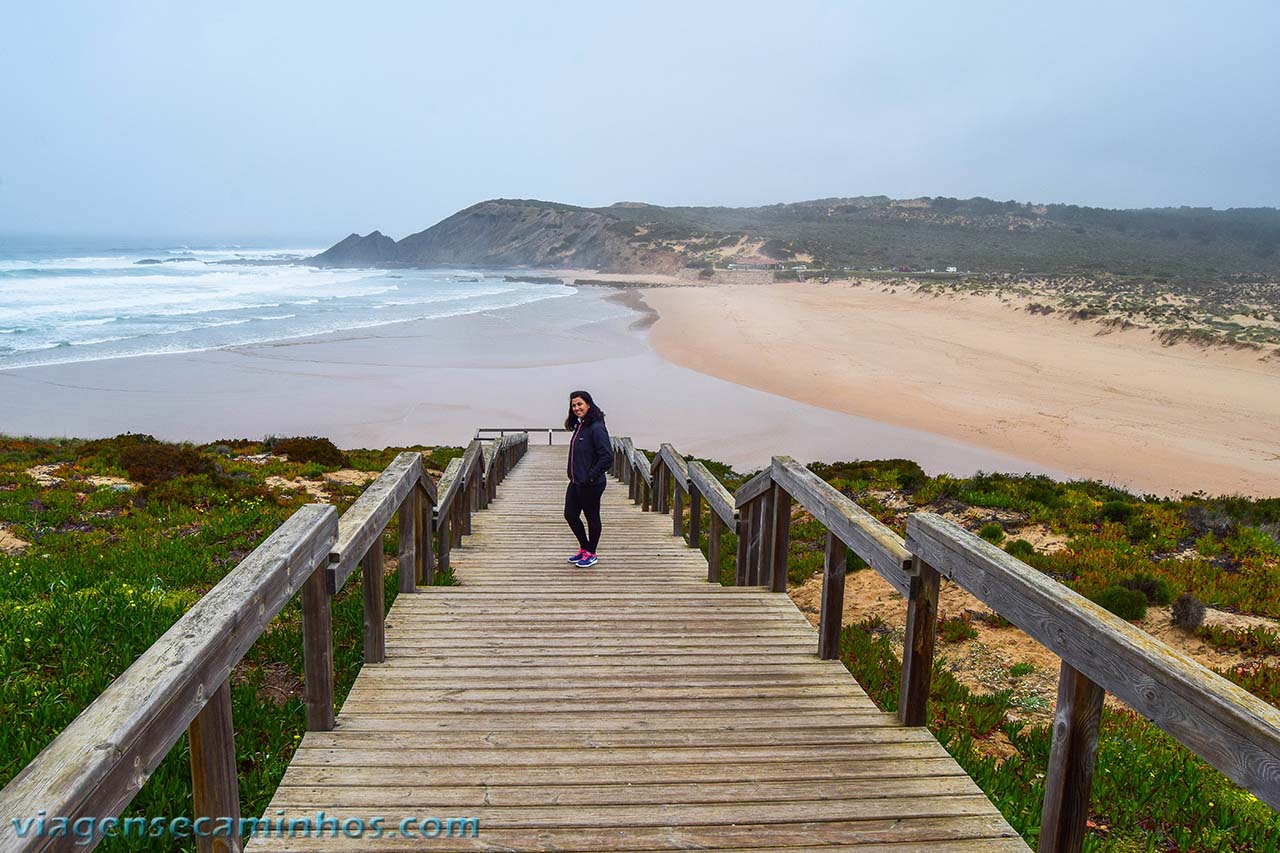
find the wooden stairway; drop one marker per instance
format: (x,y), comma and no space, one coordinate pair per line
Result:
(629,706)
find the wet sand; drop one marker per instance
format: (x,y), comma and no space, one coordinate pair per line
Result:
(436,381)
(1115,406)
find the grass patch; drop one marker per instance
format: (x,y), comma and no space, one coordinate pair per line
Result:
(109,571)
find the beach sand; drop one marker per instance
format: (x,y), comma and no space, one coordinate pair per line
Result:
(436,381)
(1112,405)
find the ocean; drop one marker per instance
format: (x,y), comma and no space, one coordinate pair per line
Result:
(67,301)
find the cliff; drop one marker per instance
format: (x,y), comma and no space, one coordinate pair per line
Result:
(503,234)
(975,234)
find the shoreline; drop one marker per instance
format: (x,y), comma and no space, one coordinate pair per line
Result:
(1101,404)
(435,381)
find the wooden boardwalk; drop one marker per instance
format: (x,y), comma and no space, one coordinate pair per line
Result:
(629,706)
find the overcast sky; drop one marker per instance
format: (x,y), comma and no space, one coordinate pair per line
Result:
(312,120)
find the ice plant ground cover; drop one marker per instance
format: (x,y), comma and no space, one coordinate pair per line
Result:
(106,543)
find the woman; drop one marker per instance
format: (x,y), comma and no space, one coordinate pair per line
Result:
(590,458)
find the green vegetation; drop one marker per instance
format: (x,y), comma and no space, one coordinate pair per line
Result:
(111,566)
(1126,603)
(993,533)
(957,629)
(982,234)
(1251,641)
(321,451)
(1150,793)
(109,569)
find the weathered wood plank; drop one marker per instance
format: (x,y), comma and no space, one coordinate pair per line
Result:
(715,541)
(753,488)
(676,465)
(780,537)
(831,613)
(635,707)
(1225,725)
(407,557)
(1069,777)
(317,653)
(365,519)
(918,645)
(371,581)
(717,496)
(880,547)
(214,785)
(450,483)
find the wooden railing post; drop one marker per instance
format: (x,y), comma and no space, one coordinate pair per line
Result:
(444,539)
(780,537)
(742,570)
(424,540)
(646,497)
(1069,778)
(459,513)
(714,543)
(317,653)
(677,509)
(834,564)
(465,499)
(407,558)
(917,648)
(695,516)
(762,542)
(215,788)
(375,622)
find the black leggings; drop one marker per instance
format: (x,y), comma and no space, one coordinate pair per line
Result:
(579,499)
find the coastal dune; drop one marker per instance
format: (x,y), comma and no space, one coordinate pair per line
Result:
(1072,396)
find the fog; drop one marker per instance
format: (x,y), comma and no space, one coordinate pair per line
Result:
(314,120)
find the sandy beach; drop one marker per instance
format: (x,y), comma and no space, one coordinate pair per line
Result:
(1112,405)
(435,381)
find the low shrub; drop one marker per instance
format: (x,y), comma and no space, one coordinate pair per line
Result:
(992,532)
(157,462)
(310,448)
(1117,511)
(1123,602)
(1155,589)
(1020,548)
(1188,611)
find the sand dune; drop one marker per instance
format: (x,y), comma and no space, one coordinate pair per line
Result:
(1115,406)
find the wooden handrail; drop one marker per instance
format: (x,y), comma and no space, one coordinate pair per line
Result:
(449,485)
(643,466)
(675,463)
(1225,725)
(98,763)
(718,498)
(753,488)
(880,547)
(366,519)
(525,431)
(461,491)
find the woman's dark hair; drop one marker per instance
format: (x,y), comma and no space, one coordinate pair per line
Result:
(593,411)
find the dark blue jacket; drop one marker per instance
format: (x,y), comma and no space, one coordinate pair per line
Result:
(590,453)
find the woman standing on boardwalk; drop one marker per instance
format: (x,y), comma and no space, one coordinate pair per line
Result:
(590,458)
